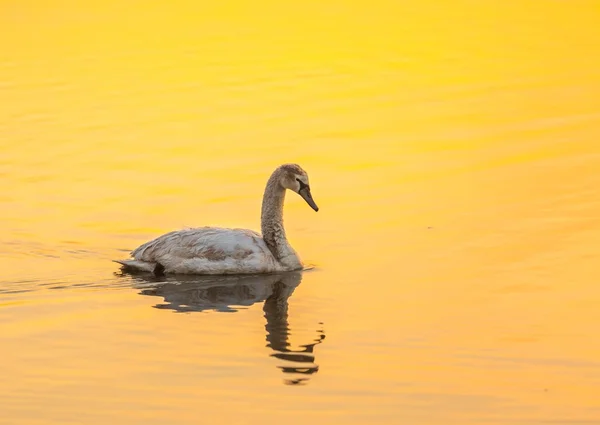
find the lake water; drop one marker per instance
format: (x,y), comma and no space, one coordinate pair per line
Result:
(453,148)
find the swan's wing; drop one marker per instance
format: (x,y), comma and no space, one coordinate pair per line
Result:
(210,243)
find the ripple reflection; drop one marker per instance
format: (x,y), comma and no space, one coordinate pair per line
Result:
(185,294)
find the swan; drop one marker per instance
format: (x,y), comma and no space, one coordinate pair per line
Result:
(225,251)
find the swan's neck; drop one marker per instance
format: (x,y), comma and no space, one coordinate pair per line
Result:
(271,220)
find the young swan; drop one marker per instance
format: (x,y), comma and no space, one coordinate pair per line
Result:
(216,250)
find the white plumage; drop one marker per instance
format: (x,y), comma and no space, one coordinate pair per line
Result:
(206,250)
(216,250)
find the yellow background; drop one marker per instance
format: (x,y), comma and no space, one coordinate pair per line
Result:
(453,148)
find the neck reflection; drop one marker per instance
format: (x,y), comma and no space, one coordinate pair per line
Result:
(229,293)
(298,362)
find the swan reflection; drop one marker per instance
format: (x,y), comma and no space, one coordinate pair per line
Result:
(228,294)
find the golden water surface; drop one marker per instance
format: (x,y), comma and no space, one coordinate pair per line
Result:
(453,148)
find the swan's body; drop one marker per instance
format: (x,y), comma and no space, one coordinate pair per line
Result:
(209,250)
(216,250)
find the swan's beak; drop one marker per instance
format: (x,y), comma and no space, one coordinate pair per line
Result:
(305,193)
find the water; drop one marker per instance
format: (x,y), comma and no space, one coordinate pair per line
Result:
(452,149)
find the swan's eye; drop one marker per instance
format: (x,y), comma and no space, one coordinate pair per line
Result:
(302,184)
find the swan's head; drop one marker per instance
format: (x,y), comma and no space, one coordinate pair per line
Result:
(293,177)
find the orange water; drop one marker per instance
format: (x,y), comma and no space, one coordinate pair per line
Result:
(453,148)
